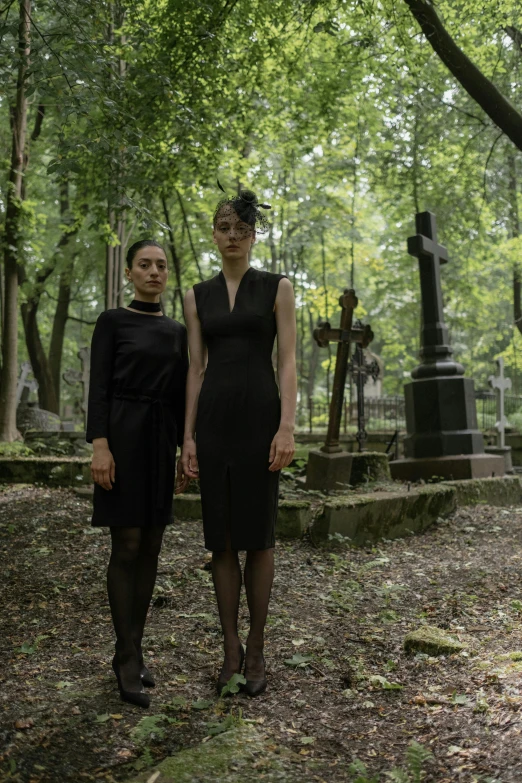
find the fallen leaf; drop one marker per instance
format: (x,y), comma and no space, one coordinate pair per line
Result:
(24,723)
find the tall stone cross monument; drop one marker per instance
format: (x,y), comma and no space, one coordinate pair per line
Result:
(441,419)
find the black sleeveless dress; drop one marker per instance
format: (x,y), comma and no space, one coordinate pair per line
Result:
(137,401)
(239,412)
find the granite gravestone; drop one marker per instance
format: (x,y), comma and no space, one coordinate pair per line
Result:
(443,439)
(29,415)
(330,466)
(73,377)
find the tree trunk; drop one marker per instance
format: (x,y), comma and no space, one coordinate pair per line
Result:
(47,368)
(515,232)
(175,258)
(314,360)
(478,86)
(12,236)
(61,316)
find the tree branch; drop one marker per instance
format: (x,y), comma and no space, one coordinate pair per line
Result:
(478,86)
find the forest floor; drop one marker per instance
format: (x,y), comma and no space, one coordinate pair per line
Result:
(340,689)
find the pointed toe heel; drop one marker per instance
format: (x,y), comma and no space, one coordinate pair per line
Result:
(138,698)
(255,688)
(146,677)
(220,684)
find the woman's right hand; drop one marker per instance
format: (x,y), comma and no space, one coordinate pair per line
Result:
(189,459)
(103,467)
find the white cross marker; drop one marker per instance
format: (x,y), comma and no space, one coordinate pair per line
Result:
(500,384)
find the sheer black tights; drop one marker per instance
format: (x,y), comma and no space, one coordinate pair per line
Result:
(258,578)
(131,576)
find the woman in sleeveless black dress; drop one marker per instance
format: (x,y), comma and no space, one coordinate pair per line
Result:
(238,433)
(135,421)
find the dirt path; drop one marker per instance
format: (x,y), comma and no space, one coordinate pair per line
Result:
(340,617)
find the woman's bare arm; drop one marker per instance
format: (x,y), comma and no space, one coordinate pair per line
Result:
(283,447)
(195,375)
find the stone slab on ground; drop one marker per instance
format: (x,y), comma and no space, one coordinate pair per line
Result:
(433,641)
(364,519)
(239,755)
(54,471)
(501,491)
(293,518)
(187,506)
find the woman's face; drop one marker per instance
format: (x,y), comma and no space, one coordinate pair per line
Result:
(149,272)
(232,235)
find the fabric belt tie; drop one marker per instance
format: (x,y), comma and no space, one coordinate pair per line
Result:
(156,402)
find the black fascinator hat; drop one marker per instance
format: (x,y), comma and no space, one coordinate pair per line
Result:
(247,207)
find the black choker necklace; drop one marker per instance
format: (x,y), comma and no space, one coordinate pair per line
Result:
(146,307)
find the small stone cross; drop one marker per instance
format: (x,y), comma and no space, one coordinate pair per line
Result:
(25,387)
(72,377)
(500,384)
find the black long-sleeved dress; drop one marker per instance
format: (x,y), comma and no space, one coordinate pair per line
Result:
(137,382)
(239,412)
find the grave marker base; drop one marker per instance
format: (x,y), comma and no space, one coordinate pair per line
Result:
(328,471)
(454,467)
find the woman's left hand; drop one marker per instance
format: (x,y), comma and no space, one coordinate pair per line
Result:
(182,481)
(282,450)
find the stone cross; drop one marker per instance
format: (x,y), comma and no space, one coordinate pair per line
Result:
(436,351)
(72,377)
(343,336)
(360,371)
(25,387)
(500,384)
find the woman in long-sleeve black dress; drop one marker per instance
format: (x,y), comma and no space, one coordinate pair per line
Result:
(238,430)
(139,361)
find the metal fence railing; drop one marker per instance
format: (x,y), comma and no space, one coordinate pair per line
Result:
(387,414)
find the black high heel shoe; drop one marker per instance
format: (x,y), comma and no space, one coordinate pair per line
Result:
(221,683)
(146,677)
(255,687)
(139,698)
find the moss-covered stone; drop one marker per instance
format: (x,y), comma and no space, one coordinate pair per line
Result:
(293,518)
(187,506)
(369,466)
(53,471)
(236,756)
(499,491)
(433,641)
(364,519)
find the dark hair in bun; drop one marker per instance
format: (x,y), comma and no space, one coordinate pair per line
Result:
(247,207)
(133,249)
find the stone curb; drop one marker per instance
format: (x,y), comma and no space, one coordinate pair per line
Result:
(363,518)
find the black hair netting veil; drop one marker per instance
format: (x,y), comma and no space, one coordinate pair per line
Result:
(247,208)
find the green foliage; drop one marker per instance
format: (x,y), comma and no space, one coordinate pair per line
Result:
(299,661)
(416,758)
(340,115)
(232,686)
(148,728)
(232,720)
(15,449)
